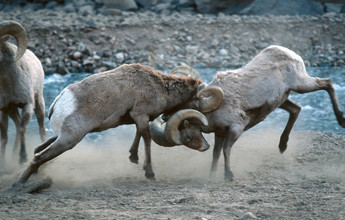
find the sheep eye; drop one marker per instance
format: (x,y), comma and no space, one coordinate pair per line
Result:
(188,138)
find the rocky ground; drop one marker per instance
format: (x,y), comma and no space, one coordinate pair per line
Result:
(71,42)
(96,180)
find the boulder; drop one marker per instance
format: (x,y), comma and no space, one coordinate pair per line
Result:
(283,7)
(224,6)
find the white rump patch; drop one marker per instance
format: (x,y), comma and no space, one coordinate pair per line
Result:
(63,105)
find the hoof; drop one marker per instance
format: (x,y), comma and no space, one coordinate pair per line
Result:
(22,159)
(150,175)
(32,187)
(228,177)
(282,148)
(134,158)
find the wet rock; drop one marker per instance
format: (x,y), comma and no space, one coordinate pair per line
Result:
(124,5)
(51,5)
(110,11)
(61,68)
(162,6)
(69,8)
(74,64)
(86,10)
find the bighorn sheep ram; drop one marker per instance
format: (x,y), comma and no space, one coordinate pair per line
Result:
(21,86)
(178,131)
(254,91)
(129,94)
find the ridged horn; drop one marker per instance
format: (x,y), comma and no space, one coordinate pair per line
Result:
(16,30)
(172,134)
(213,98)
(157,129)
(186,70)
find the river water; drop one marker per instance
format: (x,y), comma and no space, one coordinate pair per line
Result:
(317,113)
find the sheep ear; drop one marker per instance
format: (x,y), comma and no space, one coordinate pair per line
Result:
(201,87)
(185,124)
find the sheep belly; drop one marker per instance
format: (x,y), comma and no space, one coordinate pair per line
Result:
(64,105)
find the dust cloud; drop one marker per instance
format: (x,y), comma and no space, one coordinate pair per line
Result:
(100,158)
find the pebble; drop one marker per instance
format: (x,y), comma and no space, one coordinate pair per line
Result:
(192,49)
(223,52)
(77,55)
(190,40)
(247,216)
(120,57)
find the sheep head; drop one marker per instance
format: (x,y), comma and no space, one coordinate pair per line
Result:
(208,98)
(16,30)
(178,131)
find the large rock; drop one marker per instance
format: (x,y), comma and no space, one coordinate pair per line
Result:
(124,5)
(224,6)
(260,7)
(284,7)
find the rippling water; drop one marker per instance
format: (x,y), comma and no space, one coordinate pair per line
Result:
(317,113)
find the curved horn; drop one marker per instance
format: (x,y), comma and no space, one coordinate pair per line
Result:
(16,30)
(172,134)
(186,70)
(213,99)
(157,129)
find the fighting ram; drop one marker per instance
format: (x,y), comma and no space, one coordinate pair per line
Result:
(129,94)
(250,94)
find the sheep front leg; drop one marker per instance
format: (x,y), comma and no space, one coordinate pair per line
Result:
(218,145)
(134,149)
(26,117)
(142,123)
(233,135)
(4,137)
(294,111)
(15,116)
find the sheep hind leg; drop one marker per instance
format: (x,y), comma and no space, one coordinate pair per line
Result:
(57,147)
(44,146)
(294,111)
(134,158)
(41,147)
(40,113)
(315,84)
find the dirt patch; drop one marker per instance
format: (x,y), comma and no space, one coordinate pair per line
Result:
(96,180)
